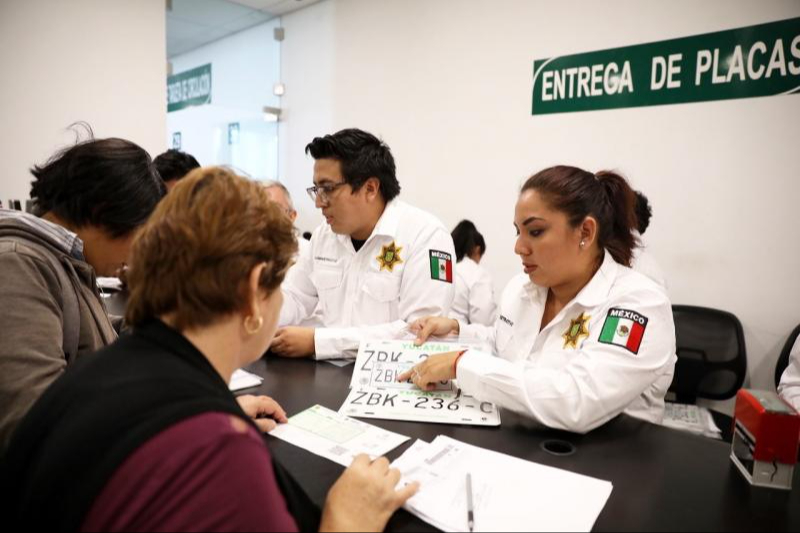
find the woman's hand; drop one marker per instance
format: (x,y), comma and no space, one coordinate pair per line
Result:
(433,325)
(264,411)
(434,369)
(365,497)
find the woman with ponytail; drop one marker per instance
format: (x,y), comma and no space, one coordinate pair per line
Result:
(581,337)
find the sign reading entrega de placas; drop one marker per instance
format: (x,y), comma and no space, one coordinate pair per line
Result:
(190,88)
(762,60)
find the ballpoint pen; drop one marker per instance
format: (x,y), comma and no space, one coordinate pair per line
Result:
(470,507)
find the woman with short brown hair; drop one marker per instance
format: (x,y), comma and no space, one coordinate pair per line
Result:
(149,424)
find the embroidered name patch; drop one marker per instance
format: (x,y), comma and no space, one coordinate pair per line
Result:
(506,320)
(441,266)
(624,328)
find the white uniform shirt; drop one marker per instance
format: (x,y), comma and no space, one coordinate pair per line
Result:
(304,249)
(303,246)
(473,302)
(789,388)
(403,272)
(571,378)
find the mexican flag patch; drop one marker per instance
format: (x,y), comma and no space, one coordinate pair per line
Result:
(624,328)
(441,266)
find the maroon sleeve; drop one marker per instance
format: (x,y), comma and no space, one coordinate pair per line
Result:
(209,473)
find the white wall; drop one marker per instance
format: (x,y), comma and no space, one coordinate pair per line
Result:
(93,60)
(448,85)
(308,68)
(244,69)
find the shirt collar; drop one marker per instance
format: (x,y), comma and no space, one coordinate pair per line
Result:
(390,220)
(594,293)
(64,239)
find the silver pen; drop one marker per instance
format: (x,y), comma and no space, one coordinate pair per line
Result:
(470,506)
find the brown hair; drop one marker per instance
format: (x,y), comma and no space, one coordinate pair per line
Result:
(194,255)
(606,196)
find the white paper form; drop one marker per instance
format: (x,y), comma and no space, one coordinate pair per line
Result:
(336,437)
(242,379)
(375,392)
(509,494)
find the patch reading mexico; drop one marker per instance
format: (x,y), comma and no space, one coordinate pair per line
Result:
(390,256)
(441,266)
(578,329)
(624,328)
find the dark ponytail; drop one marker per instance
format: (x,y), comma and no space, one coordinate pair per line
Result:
(466,238)
(606,196)
(620,240)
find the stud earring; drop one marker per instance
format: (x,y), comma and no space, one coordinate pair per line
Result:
(253,330)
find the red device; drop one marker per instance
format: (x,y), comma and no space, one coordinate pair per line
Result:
(765,440)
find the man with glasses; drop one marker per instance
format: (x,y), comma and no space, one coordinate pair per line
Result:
(376,264)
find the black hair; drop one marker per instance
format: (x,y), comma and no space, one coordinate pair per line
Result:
(606,196)
(362,156)
(175,165)
(466,238)
(643,212)
(307,235)
(108,183)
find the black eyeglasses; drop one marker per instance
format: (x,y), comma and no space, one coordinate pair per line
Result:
(323,191)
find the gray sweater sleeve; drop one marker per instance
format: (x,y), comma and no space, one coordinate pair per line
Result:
(31,336)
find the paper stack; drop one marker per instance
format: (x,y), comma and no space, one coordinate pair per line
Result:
(242,379)
(509,494)
(692,418)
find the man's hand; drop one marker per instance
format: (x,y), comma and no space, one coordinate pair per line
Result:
(294,342)
(265,411)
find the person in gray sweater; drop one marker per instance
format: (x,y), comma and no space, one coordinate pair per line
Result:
(89,201)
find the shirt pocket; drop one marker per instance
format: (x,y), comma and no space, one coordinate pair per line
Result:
(326,279)
(383,288)
(329,284)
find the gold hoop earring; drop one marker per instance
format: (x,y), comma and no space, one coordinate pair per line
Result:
(253,330)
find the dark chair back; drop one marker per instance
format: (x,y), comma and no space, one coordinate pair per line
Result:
(712,359)
(783,360)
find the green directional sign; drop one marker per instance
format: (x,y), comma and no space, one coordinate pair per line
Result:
(190,88)
(762,60)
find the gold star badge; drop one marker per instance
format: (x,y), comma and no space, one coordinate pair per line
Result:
(390,256)
(578,329)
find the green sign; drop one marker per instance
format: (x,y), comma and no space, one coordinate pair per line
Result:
(762,60)
(190,88)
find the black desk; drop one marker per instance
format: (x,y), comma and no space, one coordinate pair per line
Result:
(664,480)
